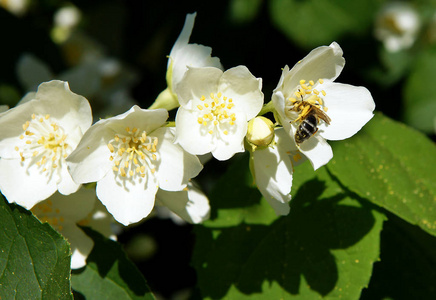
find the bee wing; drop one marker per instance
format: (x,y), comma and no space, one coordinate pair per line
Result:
(322,115)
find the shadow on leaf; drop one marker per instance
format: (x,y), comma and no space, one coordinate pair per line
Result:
(106,264)
(298,245)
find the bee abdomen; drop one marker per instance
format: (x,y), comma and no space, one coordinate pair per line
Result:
(307,128)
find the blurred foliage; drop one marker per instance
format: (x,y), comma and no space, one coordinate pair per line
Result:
(264,35)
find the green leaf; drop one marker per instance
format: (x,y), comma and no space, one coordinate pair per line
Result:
(393,166)
(325,247)
(34,258)
(313,23)
(420,93)
(109,274)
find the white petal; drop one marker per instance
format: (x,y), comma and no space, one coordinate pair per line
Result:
(189,134)
(73,207)
(232,143)
(198,82)
(191,205)
(176,166)
(184,55)
(273,171)
(144,119)
(24,186)
(324,62)
(129,202)
(67,186)
(29,96)
(89,162)
(245,90)
(278,100)
(11,124)
(273,174)
(192,55)
(317,150)
(349,108)
(279,104)
(3,108)
(81,244)
(184,36)
(102,221)
(60,103)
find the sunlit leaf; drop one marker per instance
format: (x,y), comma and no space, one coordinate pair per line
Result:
(34,258)
(393,166)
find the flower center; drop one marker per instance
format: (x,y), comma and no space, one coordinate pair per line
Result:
(307,99)
(216,113)
(133,153)
(44,143)
(45,212)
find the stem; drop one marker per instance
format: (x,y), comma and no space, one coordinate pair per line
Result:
(269,107)
(166,100)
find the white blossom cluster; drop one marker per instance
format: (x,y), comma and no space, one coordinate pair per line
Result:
(49,146)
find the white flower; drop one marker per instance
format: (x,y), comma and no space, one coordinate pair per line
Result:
(312,108)
(272,169)
(17,7)
(3,108)
(99,219)
(191,204)
(35,139)
(63,213)
(215,109)
(182,56)
(130,156)
(397,26)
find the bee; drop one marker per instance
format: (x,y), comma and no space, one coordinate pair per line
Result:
(310,115)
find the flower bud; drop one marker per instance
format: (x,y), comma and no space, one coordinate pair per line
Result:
(260,131)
